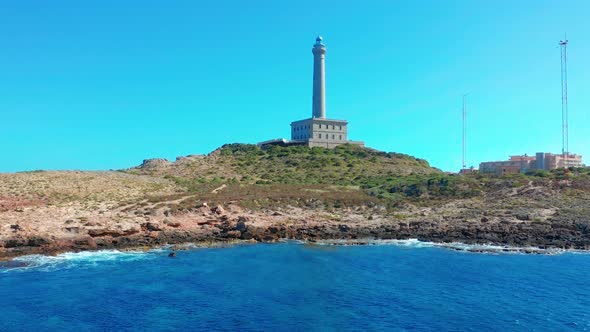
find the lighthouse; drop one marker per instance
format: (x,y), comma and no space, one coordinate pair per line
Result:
(319,79)
(317,131)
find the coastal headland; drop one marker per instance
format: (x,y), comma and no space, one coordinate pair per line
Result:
(244,192)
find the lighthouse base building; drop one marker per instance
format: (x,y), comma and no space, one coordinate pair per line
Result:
(317,131)
(325,133)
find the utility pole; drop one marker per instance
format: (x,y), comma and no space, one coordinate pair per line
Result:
(564,107)
(464,139)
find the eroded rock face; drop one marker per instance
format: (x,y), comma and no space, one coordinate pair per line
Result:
(151,226)
(112,232)
(538,234)
(155,163)
(146,225)
(86,242)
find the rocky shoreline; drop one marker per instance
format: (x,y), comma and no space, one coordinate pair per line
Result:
(243,193)
(207,225)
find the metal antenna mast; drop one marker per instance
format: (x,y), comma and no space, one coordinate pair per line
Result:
(564,108)
(464,129)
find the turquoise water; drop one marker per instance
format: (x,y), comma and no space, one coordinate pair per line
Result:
(296,287)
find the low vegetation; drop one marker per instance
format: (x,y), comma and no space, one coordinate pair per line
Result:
(345,177)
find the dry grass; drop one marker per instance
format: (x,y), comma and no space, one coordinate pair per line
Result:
(68,186)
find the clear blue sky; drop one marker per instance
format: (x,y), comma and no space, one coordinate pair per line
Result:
(106,84)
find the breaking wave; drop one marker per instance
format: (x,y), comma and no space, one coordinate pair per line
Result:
(75,260)
(88,259)
(458,246)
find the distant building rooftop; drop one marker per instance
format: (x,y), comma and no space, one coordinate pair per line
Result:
(524,163)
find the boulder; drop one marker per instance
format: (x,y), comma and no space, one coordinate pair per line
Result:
(207,222)
(233,234)
(241,226)
(218,210)
(74,230)
(151,226)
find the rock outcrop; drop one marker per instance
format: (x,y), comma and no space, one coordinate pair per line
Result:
(155,163)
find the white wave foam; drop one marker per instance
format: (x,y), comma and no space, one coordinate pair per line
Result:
(93,258)
(410,243)
(78,259)
(458,246)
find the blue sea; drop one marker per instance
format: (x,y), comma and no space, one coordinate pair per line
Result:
(295,287)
